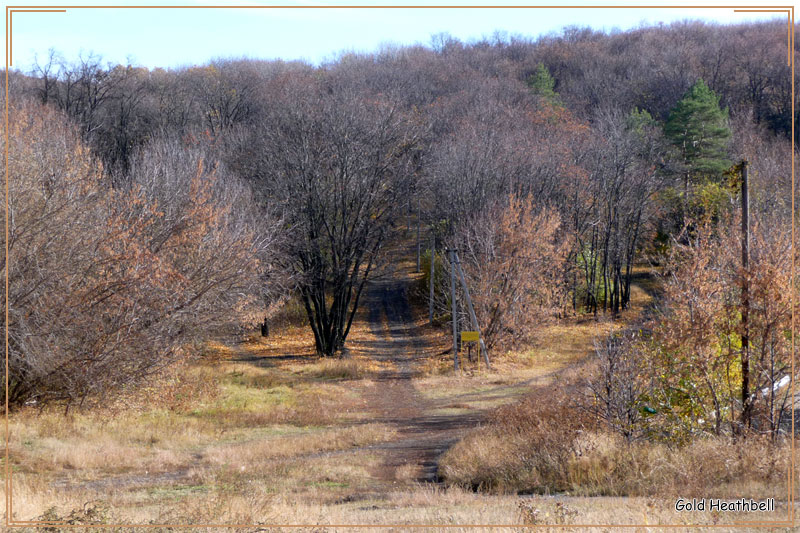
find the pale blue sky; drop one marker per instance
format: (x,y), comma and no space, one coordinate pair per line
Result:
(175,37)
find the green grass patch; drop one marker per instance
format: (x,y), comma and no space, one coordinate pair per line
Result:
(177,492)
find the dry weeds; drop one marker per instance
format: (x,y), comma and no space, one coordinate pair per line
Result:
(264,432)
(544,444)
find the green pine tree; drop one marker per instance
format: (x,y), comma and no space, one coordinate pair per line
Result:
(699,129)
(542,84)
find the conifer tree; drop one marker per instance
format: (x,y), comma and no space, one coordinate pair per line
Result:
(698,128)
(543,84)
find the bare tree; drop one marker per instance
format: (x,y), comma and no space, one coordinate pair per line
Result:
(338,163)
(619,391)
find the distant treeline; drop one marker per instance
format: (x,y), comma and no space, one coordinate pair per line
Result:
(122,107)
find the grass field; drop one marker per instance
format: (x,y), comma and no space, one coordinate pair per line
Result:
(264,432)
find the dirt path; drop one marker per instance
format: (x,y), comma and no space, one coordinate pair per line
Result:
(426,423)
(422,435)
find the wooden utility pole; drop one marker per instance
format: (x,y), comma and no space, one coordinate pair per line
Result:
(472,316)
(433,262)
(451,254)
(746,401)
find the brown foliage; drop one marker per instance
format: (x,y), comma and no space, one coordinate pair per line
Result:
(514,259)
(107,285)
(696,354)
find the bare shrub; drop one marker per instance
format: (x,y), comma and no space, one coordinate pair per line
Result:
(106,286)
(514,257)
(526,447)
(619,391)
(543,446)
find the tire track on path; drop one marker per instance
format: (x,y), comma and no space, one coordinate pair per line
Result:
(421,436)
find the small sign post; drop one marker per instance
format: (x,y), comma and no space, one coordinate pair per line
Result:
(470,336)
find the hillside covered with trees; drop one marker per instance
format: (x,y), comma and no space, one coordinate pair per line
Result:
(151,211)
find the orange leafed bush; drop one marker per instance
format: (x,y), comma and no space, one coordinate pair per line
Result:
(107,284)
(514,260)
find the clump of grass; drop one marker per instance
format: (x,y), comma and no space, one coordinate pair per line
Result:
(543,444)
(525,447)
(267,380)
(756,468)
(338,369)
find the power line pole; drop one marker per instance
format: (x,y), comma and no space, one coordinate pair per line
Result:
(746,402)
(472,316)
(408,216)
(451,254)
(433,262)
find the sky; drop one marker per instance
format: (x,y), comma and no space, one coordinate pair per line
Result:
(171,38)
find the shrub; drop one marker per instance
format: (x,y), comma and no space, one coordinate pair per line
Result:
(514,259)
(545,446)
(108,285)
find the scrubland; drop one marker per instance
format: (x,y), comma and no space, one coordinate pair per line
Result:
(262,432)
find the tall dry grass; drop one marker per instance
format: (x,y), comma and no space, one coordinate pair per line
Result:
(545,445)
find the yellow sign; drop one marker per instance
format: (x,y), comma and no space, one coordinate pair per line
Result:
(470,336)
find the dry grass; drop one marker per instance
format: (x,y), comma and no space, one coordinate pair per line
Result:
(419,505)
(312,463)
(561,344)
(266,432)
(544,444)
(339,369)
(525,447)
(259,413)
(713,466)
(251,453)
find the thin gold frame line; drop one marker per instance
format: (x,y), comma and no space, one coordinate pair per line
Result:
(788,27)
(11,28)
(410,526)
(793,275)
(396,7)
(791,473)
(5,150)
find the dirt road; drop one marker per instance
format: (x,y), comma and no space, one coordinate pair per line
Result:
(422,435)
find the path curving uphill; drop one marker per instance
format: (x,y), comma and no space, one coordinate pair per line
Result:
(423,435)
